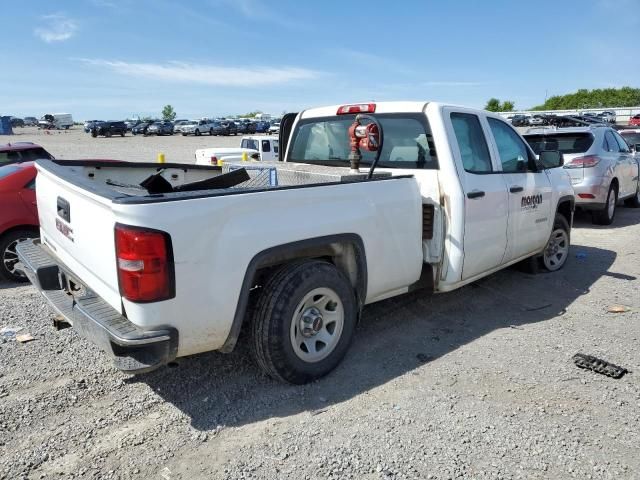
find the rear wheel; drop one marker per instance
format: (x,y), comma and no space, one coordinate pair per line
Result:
(9,256)
(303,322)
(108,134)
(608,213)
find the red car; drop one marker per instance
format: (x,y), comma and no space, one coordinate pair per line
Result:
(635,121)
(18,215)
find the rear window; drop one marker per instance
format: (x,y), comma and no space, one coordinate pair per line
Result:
(563,142)
(35,154)
(632,138)
(408,142)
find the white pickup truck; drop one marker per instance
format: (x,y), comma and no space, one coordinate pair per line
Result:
(254,147)
(157,262)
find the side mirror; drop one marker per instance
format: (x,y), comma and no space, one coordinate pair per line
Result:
(551,159)
(637,147)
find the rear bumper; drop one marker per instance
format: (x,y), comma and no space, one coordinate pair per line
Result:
(132,349)
(597,188)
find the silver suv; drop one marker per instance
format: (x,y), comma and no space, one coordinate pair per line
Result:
(601,165)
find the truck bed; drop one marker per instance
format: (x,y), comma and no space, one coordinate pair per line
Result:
(120,182)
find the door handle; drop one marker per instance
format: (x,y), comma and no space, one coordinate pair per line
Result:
(516,189)
(475,194)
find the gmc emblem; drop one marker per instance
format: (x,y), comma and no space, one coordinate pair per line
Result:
(65,229)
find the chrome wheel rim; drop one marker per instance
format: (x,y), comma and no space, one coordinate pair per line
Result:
(611,206)
(10,258)
(317,325)
(557,250)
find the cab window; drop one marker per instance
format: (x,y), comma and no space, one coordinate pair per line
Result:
(514,155)
(473,146)
(266,146)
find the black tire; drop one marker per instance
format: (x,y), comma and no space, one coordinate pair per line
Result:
(94,134)
(603,217)
(275,312)
(122,134)
(7,254)
(559,223)
(634,202)
(184,134)
(108,134)
(197,132)
(536,264)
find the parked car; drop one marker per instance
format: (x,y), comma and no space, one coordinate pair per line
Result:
(634,121)
(18,215)
(632,137)
(17,122)
(31,121)
(229,127)
(131,123)
(241,127)
(274,129)
(251,148)
(448,206)
(537,120)
(519,121)
(108,129)
(141,128)
(250,126)
(262,126)
(608,116)
(177,125)
(198,127)
(601,166)
(89,124)
(19,152)
(160,128)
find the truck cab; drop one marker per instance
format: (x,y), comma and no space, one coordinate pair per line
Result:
(266,146)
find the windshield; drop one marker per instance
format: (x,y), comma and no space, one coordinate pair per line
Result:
(568,143)
(408,142)
(632,138)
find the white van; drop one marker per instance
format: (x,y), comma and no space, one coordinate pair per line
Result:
(56,120)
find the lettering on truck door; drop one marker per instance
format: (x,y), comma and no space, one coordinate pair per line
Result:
(529,190)
(485,217)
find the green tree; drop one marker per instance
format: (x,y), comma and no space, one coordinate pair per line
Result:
(493,105)
(250,114)
(507,106)
(596,98)
(168,113)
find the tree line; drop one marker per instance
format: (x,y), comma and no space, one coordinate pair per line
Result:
(583,98)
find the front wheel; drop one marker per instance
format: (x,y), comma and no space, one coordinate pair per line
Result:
(303,322)
(608,212)
(9,255)
(556,252)
(197,132)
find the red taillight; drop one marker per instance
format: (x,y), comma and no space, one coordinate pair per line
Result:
(214,160)
(359,108)
(145,264)
(586,195)
(583,162)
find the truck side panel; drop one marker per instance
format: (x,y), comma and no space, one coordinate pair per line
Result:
(214,240)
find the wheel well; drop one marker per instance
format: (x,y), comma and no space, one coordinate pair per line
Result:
(564,209)
(615,182)
(346,256)
(31,228)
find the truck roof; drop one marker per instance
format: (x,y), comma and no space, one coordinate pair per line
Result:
(381,107)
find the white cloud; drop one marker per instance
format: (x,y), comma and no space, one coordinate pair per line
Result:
(56,28)
(214,75)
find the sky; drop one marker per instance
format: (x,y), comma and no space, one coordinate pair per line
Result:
(115,59)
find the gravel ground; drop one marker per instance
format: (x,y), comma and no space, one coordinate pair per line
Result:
(74,143)
(477,383)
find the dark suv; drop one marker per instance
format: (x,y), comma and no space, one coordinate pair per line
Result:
(229,127)
(19,152)
(108,129)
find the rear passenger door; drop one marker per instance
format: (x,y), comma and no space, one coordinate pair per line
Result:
(628,164)
(529,191)
(486,199)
